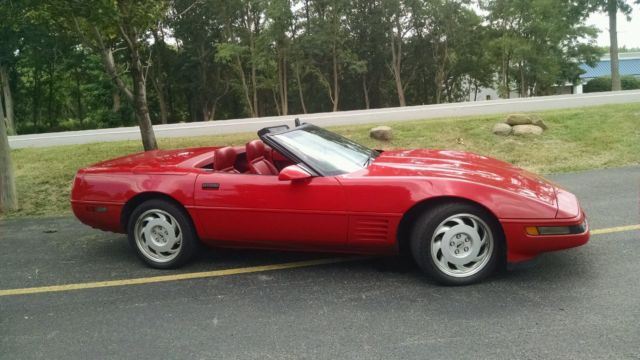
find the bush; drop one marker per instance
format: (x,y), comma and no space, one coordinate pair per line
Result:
(604,84)
(597,85)
(630,83)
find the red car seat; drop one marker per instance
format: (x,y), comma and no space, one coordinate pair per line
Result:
(224,159)
(258,164)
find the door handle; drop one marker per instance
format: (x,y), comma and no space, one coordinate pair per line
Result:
(210,186)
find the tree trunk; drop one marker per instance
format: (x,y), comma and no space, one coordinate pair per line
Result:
(202,98)
(141,106)
(35,95)
(399,88)
(158,78)
(612,9)
(8,99)
(254,77)
(79,109)
(307,16)
(396,59)
(212,112)
(285,97)
(117,104)
(506,91)
(110,66)
(336,85)
(245,87)
(475,90)
(274,92)
(8,196)
(157,84)
(50,95)
(365,90)
(503,89)
(204,109)
(283,80)
(523,82)
(254,91)
(442,54)
(300,91)
(138,77)
(438,81)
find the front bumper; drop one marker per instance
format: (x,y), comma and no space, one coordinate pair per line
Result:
(522,246)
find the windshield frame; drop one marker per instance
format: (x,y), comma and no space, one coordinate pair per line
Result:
(268,136)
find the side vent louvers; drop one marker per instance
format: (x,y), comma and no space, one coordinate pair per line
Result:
(371,229)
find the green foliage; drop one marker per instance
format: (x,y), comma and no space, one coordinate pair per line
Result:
(220,59)
(603,83)
(535,43)
(598,84)
(630,83)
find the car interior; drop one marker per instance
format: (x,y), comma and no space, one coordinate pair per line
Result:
(254,158)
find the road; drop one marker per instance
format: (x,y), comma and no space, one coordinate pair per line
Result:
(330,119)
(575,304)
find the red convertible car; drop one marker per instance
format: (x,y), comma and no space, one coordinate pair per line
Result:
(459,215)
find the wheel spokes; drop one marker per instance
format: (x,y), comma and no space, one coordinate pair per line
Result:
(461,245)
(158,235)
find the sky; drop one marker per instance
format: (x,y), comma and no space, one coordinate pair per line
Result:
(628,31)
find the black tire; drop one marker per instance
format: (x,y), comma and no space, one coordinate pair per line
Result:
(185,248)
(422,243)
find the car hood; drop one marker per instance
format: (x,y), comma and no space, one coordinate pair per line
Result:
(463,166)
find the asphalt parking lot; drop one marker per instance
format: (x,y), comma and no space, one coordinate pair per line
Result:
(581,303)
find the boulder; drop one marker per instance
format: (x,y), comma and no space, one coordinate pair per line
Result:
(383,133)
(518,119)
(537,121)
(520,130)
(502,129)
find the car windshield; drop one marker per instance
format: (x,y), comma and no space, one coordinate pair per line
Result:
(324,151)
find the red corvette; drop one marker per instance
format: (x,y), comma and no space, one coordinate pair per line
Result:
(460,215)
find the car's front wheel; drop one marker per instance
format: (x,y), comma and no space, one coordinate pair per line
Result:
(457,243)
(162,234)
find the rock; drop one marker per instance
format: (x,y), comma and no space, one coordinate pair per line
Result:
(537,121)
(520,130)
(383,133)
(501,129)
(518,119)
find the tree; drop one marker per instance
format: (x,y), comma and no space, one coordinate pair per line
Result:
(612,7)
(101,24)
(11,32)
(198,28)
(244,23)
(8,196)
(536,43)
(372,47)
(398,21)
(329,47)
(79,64)
(278,30)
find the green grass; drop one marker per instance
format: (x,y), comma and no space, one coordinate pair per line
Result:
(577,139)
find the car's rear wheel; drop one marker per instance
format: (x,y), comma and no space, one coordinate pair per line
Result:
(457,243)
(162,234)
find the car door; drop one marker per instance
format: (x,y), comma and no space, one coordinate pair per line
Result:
(262,210)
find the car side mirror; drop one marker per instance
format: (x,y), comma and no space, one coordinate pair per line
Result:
(293,173)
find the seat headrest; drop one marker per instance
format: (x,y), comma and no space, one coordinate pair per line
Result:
(255,149)
(224,158)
